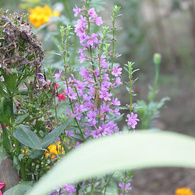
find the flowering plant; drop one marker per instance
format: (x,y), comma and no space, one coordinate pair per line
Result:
(36,134)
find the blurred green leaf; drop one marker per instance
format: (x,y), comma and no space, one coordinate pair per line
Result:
(5,139)
(11,81)
(19,189)
(21,118)
(27,137)
(6,110)
(36,154)
(141,149)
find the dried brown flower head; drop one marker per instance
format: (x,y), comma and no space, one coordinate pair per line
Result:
(19,47)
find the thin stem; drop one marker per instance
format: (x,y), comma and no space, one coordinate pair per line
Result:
(67,10)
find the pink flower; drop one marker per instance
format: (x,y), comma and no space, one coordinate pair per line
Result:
(132,120)
(76,11)
(58,75)
(1,186)
(61,97)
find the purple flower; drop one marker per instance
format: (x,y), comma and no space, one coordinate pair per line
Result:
(118,81)
(92,12)
(58,75)
(92,40)
(96,133)
(40,75)
(116,70)
(76,11)
(115,102)
(105,95)
(124,187)
(98,21)
(132,120)
(91,117)
(70,189)
(69,133)
(70,93)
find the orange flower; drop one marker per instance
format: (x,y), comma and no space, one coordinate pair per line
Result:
(184,191)
(54,150)
(41,15)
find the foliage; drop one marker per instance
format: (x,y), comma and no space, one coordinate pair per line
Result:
(45,114)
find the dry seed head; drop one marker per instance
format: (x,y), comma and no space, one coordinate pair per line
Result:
(19,46)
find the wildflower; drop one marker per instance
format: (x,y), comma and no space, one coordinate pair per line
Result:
(98,21)
(69,189)
(132,120)
(1,186)
(116,70)
(92,12)
(61,97)
(69,133)
(184,191)
(55,149)
(125,187)
(41,15)
(76,11)
(92,40)
(58,75)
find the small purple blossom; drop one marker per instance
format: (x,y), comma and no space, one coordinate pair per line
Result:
(69,133)
(58,75)
(92,40)
(124,187)
(98,21)
(76,11)
(69,189)
(132,120)
(96,133)
(116,70)
(92,12)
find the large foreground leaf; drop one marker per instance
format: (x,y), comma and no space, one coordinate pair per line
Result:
(19,189)
(119,152)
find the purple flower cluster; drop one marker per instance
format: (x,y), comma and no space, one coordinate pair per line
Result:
(95,103)
(67,189)
(91,97)
(125,188)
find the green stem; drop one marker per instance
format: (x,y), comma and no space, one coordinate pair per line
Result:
(130,86)
(67,10)
(21,164)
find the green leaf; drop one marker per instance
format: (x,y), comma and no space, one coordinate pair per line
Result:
(5,139)
(141,149)
(35,154)
(6,110)
(2,153)
(54,134)
(11,81)
(21,118)
(19,189)
(27,137)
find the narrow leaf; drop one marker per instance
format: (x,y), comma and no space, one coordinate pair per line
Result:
(54,134)
(21,118)
(6,142)
(27,137)
(119,152)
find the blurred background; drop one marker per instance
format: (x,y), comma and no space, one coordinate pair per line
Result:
(147,27)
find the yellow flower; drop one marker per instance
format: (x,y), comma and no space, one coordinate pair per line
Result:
(55,149)
(184,191)
(41,15)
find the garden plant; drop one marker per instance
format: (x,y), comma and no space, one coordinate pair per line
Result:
(59,129)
